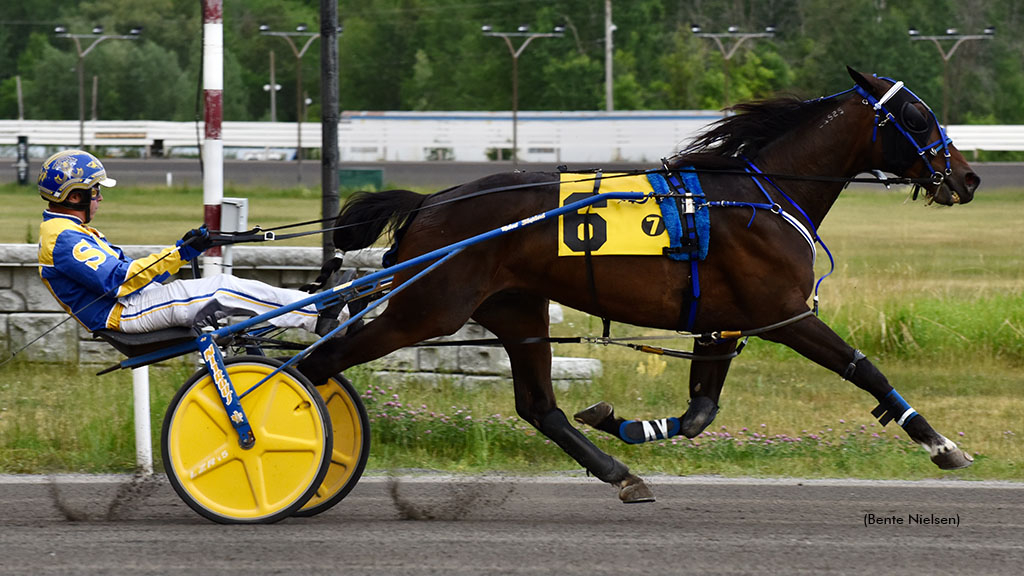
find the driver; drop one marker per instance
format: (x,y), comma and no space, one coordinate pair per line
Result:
(102,288)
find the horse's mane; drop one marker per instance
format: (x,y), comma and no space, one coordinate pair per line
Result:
(753,126)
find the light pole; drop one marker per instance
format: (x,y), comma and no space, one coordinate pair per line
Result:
(273,87)
(951,34)
(523,32)
(609,49)
(96,36)
(727,53)
(300,32)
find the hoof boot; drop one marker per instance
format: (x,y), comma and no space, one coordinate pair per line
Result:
(595,415)
(632,490)
(953,459)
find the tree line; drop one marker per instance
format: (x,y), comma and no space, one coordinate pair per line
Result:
(432,55)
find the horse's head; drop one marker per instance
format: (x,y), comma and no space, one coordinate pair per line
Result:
(913,143)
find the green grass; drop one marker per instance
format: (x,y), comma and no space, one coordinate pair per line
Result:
(935,297)
(811,423)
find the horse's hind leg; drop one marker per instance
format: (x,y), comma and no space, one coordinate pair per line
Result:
(706,380)
(707,376)
(816,341)
(520,321)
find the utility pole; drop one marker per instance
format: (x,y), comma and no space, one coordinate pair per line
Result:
(733,33)
(524,32)
(951,34)
(97,36)
(273,87)
(300,32)
(95,96)
(329,201)
(609,85)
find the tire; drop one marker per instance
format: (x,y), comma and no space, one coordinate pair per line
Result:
(351,430)
(225,483)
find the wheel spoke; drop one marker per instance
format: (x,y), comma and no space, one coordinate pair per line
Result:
(342,459)
(254,473)
(266,395)
(214,410)
(269,442)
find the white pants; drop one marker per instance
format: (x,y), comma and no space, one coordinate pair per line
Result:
(186,302)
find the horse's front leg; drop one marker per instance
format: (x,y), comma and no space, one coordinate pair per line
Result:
(816,341)
(520,321)
(707,376)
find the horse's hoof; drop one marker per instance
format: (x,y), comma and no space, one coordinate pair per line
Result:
(633,490)
(595,415)
(953,459)
(699,415)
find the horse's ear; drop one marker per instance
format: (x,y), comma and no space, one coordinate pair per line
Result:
(859,78)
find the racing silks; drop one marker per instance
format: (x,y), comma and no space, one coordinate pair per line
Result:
(87,275)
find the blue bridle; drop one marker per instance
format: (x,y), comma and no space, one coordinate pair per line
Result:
(900,95)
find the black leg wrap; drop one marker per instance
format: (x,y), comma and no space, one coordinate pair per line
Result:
(857,357)
(555,426)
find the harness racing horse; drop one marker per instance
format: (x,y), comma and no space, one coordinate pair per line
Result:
(758,271)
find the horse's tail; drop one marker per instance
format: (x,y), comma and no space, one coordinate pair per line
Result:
(368,215)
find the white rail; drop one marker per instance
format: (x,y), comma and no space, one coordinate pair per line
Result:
(460,136)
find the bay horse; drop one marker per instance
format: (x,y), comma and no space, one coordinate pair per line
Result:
(758,271)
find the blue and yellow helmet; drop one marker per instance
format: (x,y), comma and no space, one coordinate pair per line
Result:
(71,170)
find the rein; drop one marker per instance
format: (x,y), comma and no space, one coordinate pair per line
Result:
(258,234)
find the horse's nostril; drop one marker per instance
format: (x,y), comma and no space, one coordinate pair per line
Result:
(972,180)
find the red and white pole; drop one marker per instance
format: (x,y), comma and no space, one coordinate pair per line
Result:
(213,146)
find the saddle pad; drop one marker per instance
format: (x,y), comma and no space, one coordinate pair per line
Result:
(617,227)
(624,228)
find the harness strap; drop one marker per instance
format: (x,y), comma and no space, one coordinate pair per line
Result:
(857,357)
(588,259)
(687,216)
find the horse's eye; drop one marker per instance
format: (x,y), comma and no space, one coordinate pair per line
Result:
(912,119)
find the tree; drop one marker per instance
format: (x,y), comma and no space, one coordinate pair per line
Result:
(431,55)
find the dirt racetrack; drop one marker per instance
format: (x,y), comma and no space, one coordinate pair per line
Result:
(555,525)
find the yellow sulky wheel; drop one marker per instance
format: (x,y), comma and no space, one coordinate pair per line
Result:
(270,481)
(351,430)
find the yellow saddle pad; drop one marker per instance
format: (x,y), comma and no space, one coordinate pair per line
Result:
(617,227)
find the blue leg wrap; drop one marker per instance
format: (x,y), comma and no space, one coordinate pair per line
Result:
(640,431)
(894,407)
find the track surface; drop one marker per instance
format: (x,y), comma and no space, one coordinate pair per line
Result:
(564,526)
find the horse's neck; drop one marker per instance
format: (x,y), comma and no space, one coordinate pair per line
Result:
(804,154)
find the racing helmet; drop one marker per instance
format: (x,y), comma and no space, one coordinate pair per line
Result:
(71,170)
